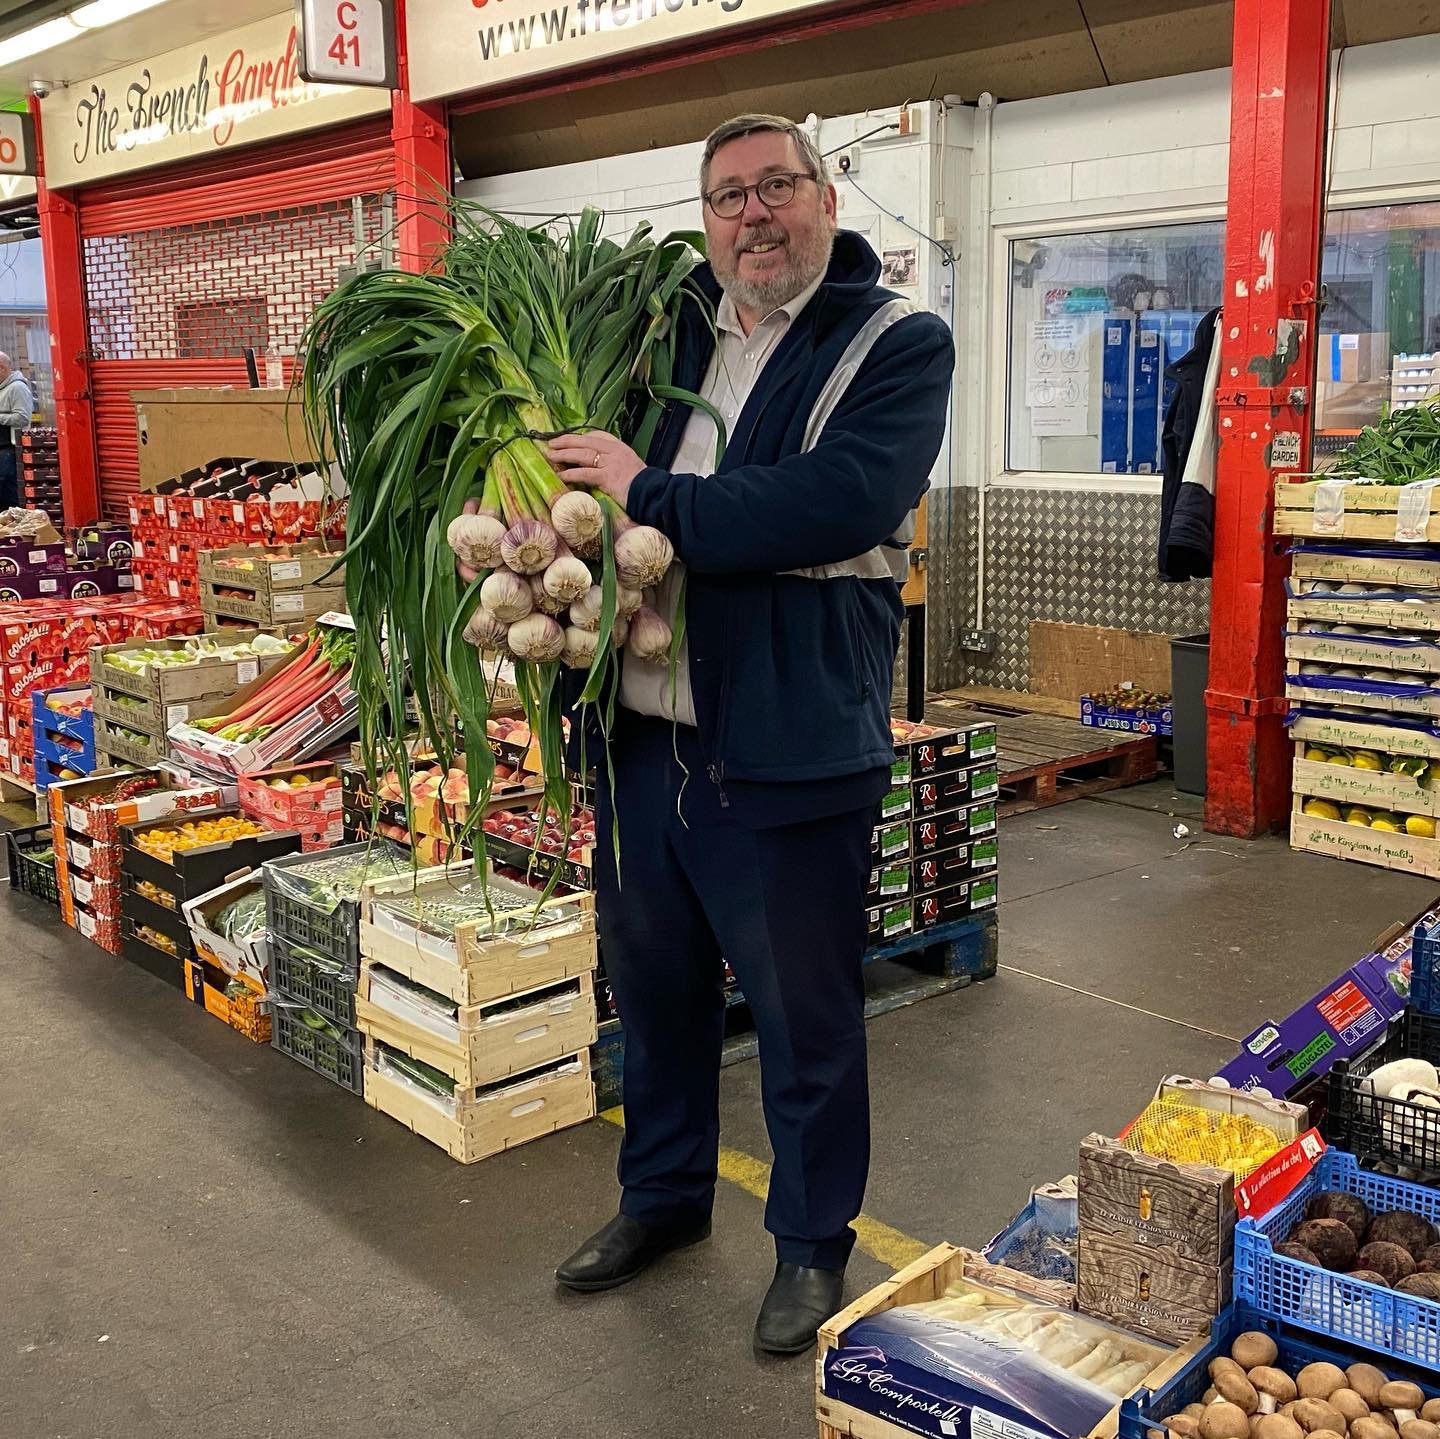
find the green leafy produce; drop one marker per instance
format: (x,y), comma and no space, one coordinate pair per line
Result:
(439,389)
(1404,445)
(242,918)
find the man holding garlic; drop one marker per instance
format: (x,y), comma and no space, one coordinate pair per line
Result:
(746,782)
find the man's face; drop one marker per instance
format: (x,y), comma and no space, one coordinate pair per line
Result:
(764,257)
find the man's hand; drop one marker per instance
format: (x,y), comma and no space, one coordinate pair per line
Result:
(596,460)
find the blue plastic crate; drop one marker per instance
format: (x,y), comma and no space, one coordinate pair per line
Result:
(1334,1304)
(1425,970)
(44,719)
(1140,1413)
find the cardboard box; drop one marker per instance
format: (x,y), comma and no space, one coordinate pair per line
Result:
(954,789)
(938,832)
(180,429)
(248,959)
(943,906)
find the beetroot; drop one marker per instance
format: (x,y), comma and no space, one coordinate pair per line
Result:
(1350,1209)
(1391,1260)
(1409,1231)
(1332,1241)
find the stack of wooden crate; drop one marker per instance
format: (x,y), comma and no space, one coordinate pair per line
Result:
(477,1032)
(1362,653)
(270,587)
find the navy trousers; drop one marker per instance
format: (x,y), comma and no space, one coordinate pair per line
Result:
(785,906)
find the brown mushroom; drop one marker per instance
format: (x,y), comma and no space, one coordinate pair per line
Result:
(1225,1421)
(1236,1389)
(1194,1411)
(1320,1381)
(1274,1386)
(1431,1412)
(1210,1396)
(1276,1426)
(1367,1381)
(1223,1364)
(1325,1434)
(1373,1426)
(1312,1414)
(1251,1350)
(1403,1399)
(1351,1405)
(1419,1429)
(1182,1425)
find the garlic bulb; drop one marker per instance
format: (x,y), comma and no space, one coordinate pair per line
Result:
(642,555)
(537,638)
(620,632)
(475,539)
(567,578)
(627,600)
(545,602)
(485,631)
(580,647)
(649,636)
(506,595)
(529,546)
(585,611)
(578,520)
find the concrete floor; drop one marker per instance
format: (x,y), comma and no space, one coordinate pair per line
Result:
(201,1238)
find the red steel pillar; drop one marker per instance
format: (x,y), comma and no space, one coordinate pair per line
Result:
(63,256)
(1272,246)
(421,134)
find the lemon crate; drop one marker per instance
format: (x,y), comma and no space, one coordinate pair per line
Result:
(1425,971)
(1141,1414)
(1333,1304)
(1412,854)
(1346,784)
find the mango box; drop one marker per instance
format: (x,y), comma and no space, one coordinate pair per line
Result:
(1345,1017)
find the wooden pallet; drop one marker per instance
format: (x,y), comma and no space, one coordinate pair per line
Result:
(1045,761)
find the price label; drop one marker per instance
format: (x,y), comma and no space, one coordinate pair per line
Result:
(85,923)
(81,889)
(289,604)
(80,854)
(288,571)
(176,714)
(347,42)
(246,671)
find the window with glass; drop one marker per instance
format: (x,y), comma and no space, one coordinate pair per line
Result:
(1095,319)
(1379,338)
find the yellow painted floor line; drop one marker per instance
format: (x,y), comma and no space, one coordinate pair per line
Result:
(878,1240)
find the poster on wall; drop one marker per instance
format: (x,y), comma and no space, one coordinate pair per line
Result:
(1057,376)
(900,266)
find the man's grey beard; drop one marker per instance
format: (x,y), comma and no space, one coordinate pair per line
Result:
(801,269)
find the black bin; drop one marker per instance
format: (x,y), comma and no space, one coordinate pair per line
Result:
(1189,675)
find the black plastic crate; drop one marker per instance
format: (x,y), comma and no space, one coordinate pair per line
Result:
(342,1063)
(28,874)
(1382,1131)
(324,984)
(328,924)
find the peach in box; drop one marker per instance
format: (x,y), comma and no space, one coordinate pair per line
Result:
(300,795)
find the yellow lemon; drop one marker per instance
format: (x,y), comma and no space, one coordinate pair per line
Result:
(1388,822)
(1367,759)
(1356,815)
(1316,753)
(1420,824)
(1321,809)
(1339,757)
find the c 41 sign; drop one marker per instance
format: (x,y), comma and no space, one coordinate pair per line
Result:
(347,42)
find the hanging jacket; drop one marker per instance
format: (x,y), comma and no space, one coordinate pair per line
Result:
(791,672)
(1188,444)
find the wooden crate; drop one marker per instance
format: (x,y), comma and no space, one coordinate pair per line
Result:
(1416,706)
(1138,1200)
(1370,512)
(473,970)
(122,749)
(1412,854)
(1355,733)
(920,1282)
(1355,653)
(1343,784)
(283,590)
(494,1041)
(526,1107)
(1338,610)
(1147,1289)
(178,686)
(1396,570)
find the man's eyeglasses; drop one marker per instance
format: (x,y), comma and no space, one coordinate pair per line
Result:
(774,192)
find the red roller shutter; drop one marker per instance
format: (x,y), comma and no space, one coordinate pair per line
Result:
(186,266)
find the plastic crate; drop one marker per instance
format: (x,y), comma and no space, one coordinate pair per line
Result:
(30,875)
(1425,970)
(333,928)
(1140,1414)
(311,979)
(1334,1304)
(341,1063)
(1389,1132)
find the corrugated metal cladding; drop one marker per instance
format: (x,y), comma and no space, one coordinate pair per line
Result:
(187,266)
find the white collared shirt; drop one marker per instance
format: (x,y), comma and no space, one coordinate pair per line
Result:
(735,367)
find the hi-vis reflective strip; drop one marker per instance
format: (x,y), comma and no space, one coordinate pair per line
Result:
(879,1241)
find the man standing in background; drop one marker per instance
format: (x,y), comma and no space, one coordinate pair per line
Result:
(17,410)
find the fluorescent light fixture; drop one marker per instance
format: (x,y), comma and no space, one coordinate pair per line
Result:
(93,16)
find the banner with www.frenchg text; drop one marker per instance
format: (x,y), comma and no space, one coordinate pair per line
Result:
(457,46)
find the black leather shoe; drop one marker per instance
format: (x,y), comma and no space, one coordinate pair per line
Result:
(799,1301)
(624,1248)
